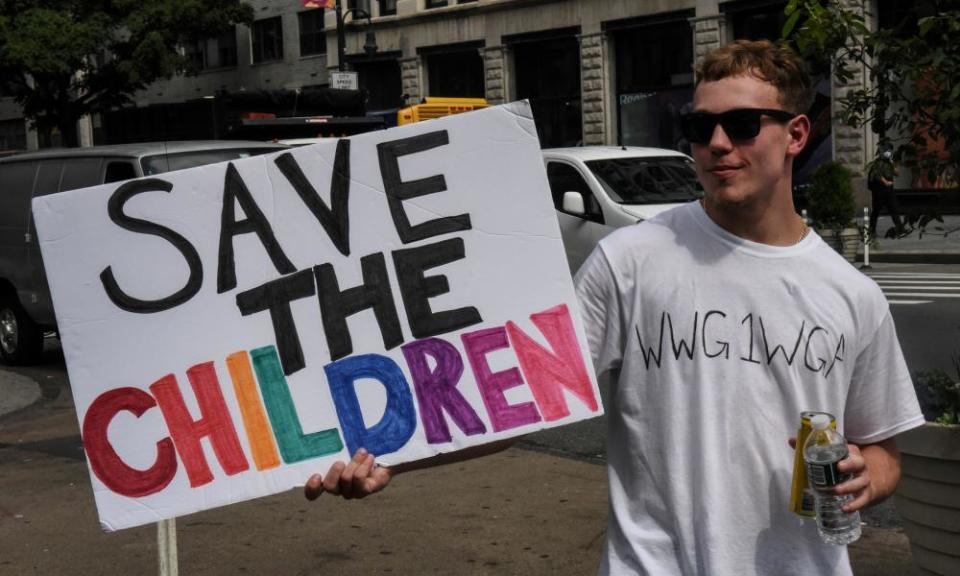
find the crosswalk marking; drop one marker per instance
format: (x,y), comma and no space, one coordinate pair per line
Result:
(916,288)
(950,284)
(915,294)
(925,279)
(899,287)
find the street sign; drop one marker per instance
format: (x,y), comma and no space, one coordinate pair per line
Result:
(343,80)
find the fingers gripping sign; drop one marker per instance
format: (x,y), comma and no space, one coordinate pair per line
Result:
(356,479)
(362,476)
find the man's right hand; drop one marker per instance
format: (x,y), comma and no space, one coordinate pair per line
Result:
(359,478)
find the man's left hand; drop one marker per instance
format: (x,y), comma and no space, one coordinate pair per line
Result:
(876,471)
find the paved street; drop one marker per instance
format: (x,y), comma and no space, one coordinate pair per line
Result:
(536,509)
(915,288)
(521,512)
(925,303)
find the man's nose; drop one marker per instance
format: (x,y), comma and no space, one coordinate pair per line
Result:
(719,141)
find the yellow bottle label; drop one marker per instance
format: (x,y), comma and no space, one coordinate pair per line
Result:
(801,494)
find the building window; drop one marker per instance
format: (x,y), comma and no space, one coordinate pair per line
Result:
(896,15)
(654,66)
(547,72)
(312,39)
(13,135)
(225,50)
(267,40)
(756,22)
(388,7)
(456,74)
(219,52)
(194,54)
(380,81)
(435,3)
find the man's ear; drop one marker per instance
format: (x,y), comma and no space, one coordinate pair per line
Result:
(798,131)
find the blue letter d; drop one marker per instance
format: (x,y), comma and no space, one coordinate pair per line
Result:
(399,418)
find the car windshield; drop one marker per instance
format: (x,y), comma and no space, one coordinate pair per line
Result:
(648,180)
(160,163)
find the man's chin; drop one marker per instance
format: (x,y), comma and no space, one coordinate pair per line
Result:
(726,197)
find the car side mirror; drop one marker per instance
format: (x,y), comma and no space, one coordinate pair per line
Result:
(573,203)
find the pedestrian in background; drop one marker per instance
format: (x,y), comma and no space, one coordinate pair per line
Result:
(880,180)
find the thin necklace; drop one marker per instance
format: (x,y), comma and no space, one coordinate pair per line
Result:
(803,231)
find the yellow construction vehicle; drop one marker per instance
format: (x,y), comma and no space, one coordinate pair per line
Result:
(435,107)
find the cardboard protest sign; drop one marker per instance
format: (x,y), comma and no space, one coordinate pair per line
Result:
(233,328)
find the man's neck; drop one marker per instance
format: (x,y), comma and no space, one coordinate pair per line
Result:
(773,223)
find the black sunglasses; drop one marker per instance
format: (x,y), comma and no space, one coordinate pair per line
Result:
(738,124)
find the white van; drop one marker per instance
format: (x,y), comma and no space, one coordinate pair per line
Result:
(597,189)
(26,311)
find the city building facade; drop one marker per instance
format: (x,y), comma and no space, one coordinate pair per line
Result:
(596,71)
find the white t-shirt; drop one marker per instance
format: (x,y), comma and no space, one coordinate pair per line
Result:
(716,344)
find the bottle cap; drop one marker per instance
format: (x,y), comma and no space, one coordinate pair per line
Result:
(820,422)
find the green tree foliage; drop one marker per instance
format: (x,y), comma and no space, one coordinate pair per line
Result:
(939,394)
(62,59)
(913,98)
(831,197)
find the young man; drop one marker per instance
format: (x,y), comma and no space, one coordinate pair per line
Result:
(720,322)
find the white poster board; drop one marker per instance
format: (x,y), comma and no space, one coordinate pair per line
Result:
(231,329)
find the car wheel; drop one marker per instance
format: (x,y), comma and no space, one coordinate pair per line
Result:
(21,340)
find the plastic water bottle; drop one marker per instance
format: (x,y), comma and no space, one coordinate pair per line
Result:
(824,449)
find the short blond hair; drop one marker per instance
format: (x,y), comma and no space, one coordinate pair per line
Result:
(776,64)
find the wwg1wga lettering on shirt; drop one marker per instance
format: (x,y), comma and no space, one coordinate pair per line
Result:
(715,345)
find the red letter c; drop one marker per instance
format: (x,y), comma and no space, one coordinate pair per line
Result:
(105,461)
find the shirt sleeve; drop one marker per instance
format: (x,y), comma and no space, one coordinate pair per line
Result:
(601,311)
(882,401)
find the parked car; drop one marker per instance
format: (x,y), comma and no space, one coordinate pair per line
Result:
(597,189)
(26,311)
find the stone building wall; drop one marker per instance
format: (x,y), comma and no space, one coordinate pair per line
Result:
(709,33)
(494,72)
(851,145)
(410,76)
(492,24)
(592,89)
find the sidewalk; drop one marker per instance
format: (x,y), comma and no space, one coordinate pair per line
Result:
(16,392)
(939,245)
(518,512)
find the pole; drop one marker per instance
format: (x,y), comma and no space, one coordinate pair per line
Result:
(167,547)
(866,237)
(341,40)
